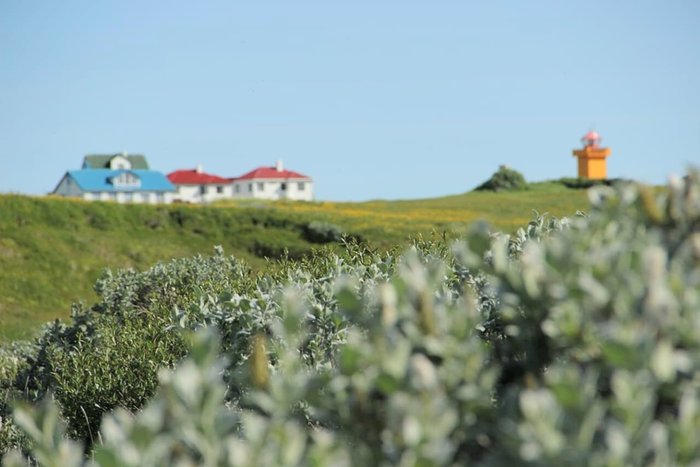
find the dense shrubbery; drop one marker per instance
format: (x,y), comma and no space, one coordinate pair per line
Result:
(579,183)
(322,232)
(109,355)
(572,342)
(504,179)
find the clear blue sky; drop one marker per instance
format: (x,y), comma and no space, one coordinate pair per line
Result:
(374,99)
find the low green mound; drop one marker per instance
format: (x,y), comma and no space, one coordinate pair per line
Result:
(504,179)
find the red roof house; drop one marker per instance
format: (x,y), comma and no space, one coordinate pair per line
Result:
(197,186)
(195,177)
(275,182)
(272,173)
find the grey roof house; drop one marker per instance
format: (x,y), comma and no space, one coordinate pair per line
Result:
(108,161)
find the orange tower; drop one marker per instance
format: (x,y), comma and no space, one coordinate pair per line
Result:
(591,159)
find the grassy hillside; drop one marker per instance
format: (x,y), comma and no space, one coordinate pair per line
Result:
(393,221)
(52,250)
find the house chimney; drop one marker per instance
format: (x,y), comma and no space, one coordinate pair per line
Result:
(199,168)
(279,166)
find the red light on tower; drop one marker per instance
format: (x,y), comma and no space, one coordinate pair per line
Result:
(591,139)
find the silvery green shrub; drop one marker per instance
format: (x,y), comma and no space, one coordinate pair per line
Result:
(109,354)
(601,333)
(569,342)
(12,361)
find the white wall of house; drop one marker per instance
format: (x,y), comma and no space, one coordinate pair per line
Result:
(218,192)
(206,193)
(151,197)
(300,190)
(274,189)
(187,193)
(240,190)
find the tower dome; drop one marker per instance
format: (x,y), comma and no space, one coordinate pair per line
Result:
(591,139)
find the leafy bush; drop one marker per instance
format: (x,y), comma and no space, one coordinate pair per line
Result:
(571,342)
(322,232)
(504,179)
(13,359)
(109,355)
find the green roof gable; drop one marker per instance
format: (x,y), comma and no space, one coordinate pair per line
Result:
(101,161)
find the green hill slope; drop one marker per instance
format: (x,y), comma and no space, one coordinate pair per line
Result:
(393,220)
(52,250)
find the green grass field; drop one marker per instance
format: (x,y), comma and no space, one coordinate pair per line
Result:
(52,250)
(394,221)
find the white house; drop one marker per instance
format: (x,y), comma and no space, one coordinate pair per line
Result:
(196,186)
(273,183)
(120,177)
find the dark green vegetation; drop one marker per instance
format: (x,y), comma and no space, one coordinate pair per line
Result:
(53,250)
(571,342)
(578,183)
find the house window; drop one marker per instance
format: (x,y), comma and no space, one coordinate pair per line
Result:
(301,186)
(250,187)
(219,189)
(238,188)
(202,190)
(128,196)
(126,179)
(283,186)
(119,163)
(261,186)
(160,197)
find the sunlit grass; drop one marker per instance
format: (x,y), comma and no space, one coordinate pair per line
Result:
(401,219)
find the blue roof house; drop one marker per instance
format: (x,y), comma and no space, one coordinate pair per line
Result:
(116,180)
